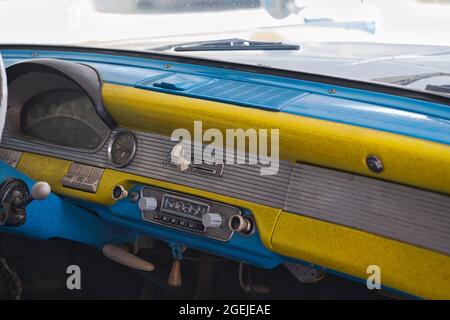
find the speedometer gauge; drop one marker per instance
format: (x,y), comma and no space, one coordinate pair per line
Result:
(121,148)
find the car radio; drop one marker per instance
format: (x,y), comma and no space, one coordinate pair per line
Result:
(188,213)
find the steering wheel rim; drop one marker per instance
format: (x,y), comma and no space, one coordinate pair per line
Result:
(3,96)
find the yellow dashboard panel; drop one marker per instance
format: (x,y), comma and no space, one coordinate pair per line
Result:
(407,160)
(418,271)
(52,170)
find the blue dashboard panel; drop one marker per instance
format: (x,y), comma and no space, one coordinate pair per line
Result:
(121,223)
(230,91)
(248,249)
(58,218)
(176,81)
(124,75)
(424,120)
(127,215)
(98,225)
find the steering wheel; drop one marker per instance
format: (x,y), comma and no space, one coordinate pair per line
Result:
(3,95)
(14,192)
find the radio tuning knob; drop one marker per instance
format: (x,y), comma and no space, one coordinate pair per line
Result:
(147,203)
(177,157)
(212,220)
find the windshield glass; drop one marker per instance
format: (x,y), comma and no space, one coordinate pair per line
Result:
(401,42)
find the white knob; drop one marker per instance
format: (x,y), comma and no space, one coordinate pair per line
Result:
(40,190)
(212,220)
(177,157)
(147,203)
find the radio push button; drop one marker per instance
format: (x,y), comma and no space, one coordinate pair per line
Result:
(182,222)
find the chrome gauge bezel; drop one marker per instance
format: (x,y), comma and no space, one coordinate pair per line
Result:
(113,140)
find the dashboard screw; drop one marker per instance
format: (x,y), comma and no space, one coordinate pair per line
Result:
(374,164)
(332,91)
(167,66)
(34,54)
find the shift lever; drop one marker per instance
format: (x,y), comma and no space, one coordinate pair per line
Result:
(40,191)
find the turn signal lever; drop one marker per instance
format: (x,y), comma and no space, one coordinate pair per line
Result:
(15,196)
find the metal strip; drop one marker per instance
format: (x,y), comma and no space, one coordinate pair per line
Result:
(399,212)
(396,211)
(241,181)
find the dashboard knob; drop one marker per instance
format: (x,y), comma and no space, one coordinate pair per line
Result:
(241,224)
(40,190)
(212,220)
(177,157)
(147,203)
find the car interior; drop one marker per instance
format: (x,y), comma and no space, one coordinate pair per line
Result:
(92,176)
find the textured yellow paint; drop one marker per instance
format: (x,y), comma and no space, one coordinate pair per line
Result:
(52,170)
(405,267)
(407,160)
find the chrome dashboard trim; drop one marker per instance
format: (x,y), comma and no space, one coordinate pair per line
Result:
(241,181)
(399,212)
(388,209)
(216,234)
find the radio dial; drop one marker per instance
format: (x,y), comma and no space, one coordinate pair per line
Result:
(212,220)
(147,203)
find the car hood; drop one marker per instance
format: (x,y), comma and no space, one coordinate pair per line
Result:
(361,61)
(374,62)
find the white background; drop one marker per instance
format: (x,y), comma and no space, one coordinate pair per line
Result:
(69,21)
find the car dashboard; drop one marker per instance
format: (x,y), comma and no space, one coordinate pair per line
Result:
(363,176)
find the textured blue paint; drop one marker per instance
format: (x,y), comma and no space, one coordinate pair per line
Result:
(57,218)
(248,249)
(126,214)
(125,74)
(121,223)
(423,120)
(176,81)
(230,91)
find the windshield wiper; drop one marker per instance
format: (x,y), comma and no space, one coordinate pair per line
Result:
(228,45)
(407,80)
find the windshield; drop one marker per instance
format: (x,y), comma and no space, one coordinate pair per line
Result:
(401,42)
